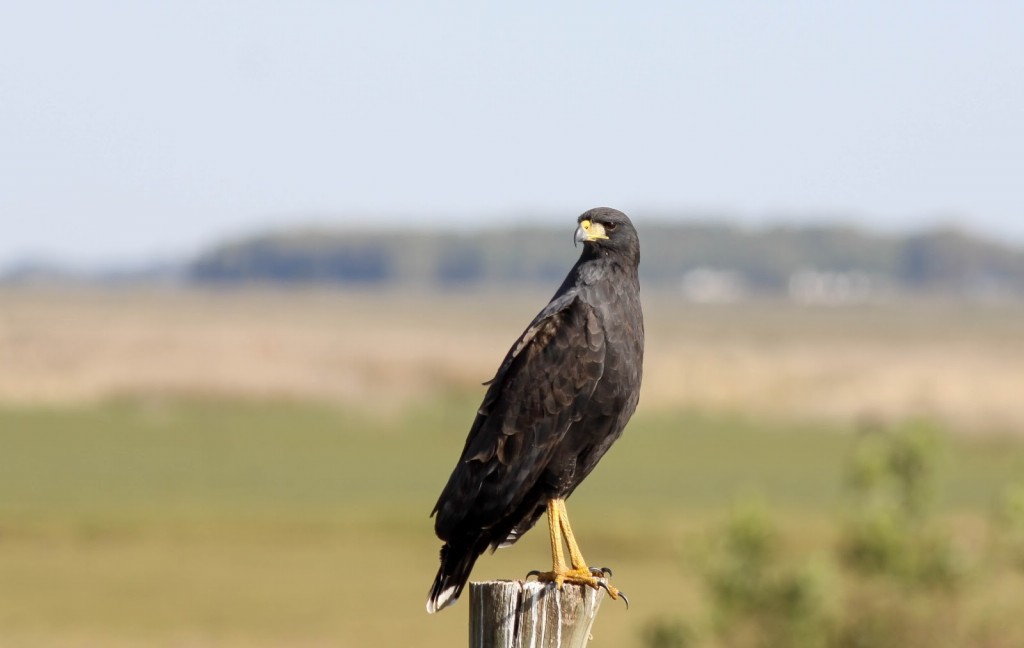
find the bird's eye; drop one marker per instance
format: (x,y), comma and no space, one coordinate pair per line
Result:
(608,227)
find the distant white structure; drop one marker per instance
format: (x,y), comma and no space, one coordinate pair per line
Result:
(811,286)
(710,286)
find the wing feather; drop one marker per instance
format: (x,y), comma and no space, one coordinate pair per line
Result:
(539,391)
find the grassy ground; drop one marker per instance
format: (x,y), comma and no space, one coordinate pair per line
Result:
(230,523)
(255,468)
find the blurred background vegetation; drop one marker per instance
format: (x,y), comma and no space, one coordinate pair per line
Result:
(242,449)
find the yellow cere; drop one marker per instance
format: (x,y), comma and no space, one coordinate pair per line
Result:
(594,230)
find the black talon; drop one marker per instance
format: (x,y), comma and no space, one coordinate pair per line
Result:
(603,583)
(601,572)
(533,572)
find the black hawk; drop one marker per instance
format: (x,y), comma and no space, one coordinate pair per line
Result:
(560,398)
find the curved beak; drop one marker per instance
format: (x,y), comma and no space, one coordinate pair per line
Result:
(589,231)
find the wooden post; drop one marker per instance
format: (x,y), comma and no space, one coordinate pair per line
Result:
(514,614)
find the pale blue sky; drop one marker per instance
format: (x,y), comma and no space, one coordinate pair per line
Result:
(134,130)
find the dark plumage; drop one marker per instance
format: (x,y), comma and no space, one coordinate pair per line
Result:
(560,398)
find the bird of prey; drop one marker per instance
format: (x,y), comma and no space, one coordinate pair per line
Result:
(560,398)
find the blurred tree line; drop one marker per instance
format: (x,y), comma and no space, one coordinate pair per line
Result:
(753,261)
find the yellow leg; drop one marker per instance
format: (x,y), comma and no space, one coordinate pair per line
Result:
(575,556)
(557,557)
(578,572)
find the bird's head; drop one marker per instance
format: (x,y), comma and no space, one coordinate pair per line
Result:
(609,230)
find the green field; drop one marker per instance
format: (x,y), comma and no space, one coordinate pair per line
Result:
(245,523)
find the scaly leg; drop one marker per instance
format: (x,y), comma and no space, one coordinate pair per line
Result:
(558,527)
(554,528)
(575,556)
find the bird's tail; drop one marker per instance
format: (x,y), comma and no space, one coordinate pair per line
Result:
(457,561)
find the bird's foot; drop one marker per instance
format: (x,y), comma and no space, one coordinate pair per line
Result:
(591,577)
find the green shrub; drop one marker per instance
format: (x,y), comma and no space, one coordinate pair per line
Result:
(897,578)
(892,480)
(1009,525)
(669,633)
(758,598)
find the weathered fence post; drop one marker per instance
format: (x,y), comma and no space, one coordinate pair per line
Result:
(514,614)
